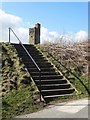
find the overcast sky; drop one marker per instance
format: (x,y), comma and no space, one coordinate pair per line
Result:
(56,18)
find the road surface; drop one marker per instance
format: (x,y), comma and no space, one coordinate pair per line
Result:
(72,109)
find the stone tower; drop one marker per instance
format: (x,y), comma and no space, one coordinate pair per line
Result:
(34,34)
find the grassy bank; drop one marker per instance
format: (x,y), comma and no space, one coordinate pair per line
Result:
(19,93)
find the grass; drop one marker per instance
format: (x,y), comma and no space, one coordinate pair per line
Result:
(20,94)
(19,102)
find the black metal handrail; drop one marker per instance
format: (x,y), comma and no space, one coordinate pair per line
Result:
(10,29)
(69,70)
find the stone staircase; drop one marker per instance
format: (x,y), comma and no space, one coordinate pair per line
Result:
(53,84)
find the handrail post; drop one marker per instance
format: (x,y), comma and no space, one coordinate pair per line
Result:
(9,34)
(40,84)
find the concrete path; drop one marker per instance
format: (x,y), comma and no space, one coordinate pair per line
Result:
(74,109)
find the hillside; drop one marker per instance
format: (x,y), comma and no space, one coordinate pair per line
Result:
(19,93)
(72,56)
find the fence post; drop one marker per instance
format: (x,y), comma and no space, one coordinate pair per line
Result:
(9,35)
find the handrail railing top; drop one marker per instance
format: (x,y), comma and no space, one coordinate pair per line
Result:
(25,50)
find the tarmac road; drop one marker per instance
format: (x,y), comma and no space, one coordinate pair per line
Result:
(72,109)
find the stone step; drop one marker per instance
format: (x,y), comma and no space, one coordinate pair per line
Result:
(44,73)
(54,86)
(55,96)
(42,69)
(36,60)
(32,50)
(41,66)
(43,77)
(25,55)
(21,49)
(57,91)
(53,81)
(34,57)
(39,63)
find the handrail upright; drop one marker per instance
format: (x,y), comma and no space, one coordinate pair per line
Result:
(9,35)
